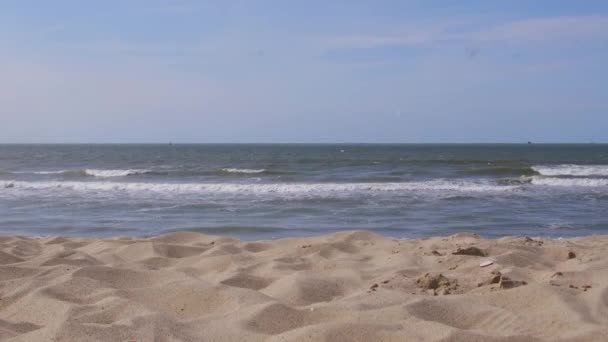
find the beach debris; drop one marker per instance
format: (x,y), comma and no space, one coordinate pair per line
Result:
(503,281)
(571,255)
(436,253)
(507,283)
(583,287)
(474,251)
(373,288)
(306,246)
(557,274)
(432,281)
(486,263)
(530,240)
(436,284)
(494,278)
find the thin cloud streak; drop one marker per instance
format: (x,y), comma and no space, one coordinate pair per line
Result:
(567,28)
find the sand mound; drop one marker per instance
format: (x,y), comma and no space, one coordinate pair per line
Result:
(348,286)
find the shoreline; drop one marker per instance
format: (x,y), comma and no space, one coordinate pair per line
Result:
(344,286)
(245,238)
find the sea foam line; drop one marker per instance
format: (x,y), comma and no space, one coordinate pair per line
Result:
(256,188)
(571,170)
(234,170)
(89,172)
(578,182)
(114,173)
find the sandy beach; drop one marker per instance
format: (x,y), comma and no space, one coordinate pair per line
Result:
(347,286)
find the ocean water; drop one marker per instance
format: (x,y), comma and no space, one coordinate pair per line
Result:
(275,191)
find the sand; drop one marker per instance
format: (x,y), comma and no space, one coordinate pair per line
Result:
(348,286)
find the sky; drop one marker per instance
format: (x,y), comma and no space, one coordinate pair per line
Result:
(134,71)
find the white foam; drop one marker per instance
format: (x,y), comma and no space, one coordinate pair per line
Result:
(114,173)
(232,170)
(571,170)
(580,182)
(40,172)
(257,188)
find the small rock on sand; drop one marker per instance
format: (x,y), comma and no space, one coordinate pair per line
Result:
(470,251)
(437,283)
(529,240)
(507,283)
(503,281)
(494,278)
(571,255)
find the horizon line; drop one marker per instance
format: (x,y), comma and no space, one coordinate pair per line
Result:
(306,143)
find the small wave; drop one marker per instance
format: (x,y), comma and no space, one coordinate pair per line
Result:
(515,181)
(458,198)
(504,170)
(257,188)
(41,172)
(87,172)
(561,226)
(114,173)
(49,172)
(571,170)
(234,170)
(218,230)
(578,182)
(466,161)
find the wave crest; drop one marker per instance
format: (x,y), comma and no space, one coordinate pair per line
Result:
(503,170)
(256,188)
(114,173)
(235,170)
(571,170)
(578,182)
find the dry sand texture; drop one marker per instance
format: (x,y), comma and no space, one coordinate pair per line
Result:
(348,286)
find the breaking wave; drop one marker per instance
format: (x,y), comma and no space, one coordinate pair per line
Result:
(88,172)
(256,188)
(580,182)
(503,170)
(234,170)
(571,170)
(114,173)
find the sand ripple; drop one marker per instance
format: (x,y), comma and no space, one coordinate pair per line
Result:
(348,286)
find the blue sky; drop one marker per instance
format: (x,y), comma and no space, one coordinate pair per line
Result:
(314,71)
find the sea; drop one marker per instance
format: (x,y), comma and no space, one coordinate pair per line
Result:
(269,191)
